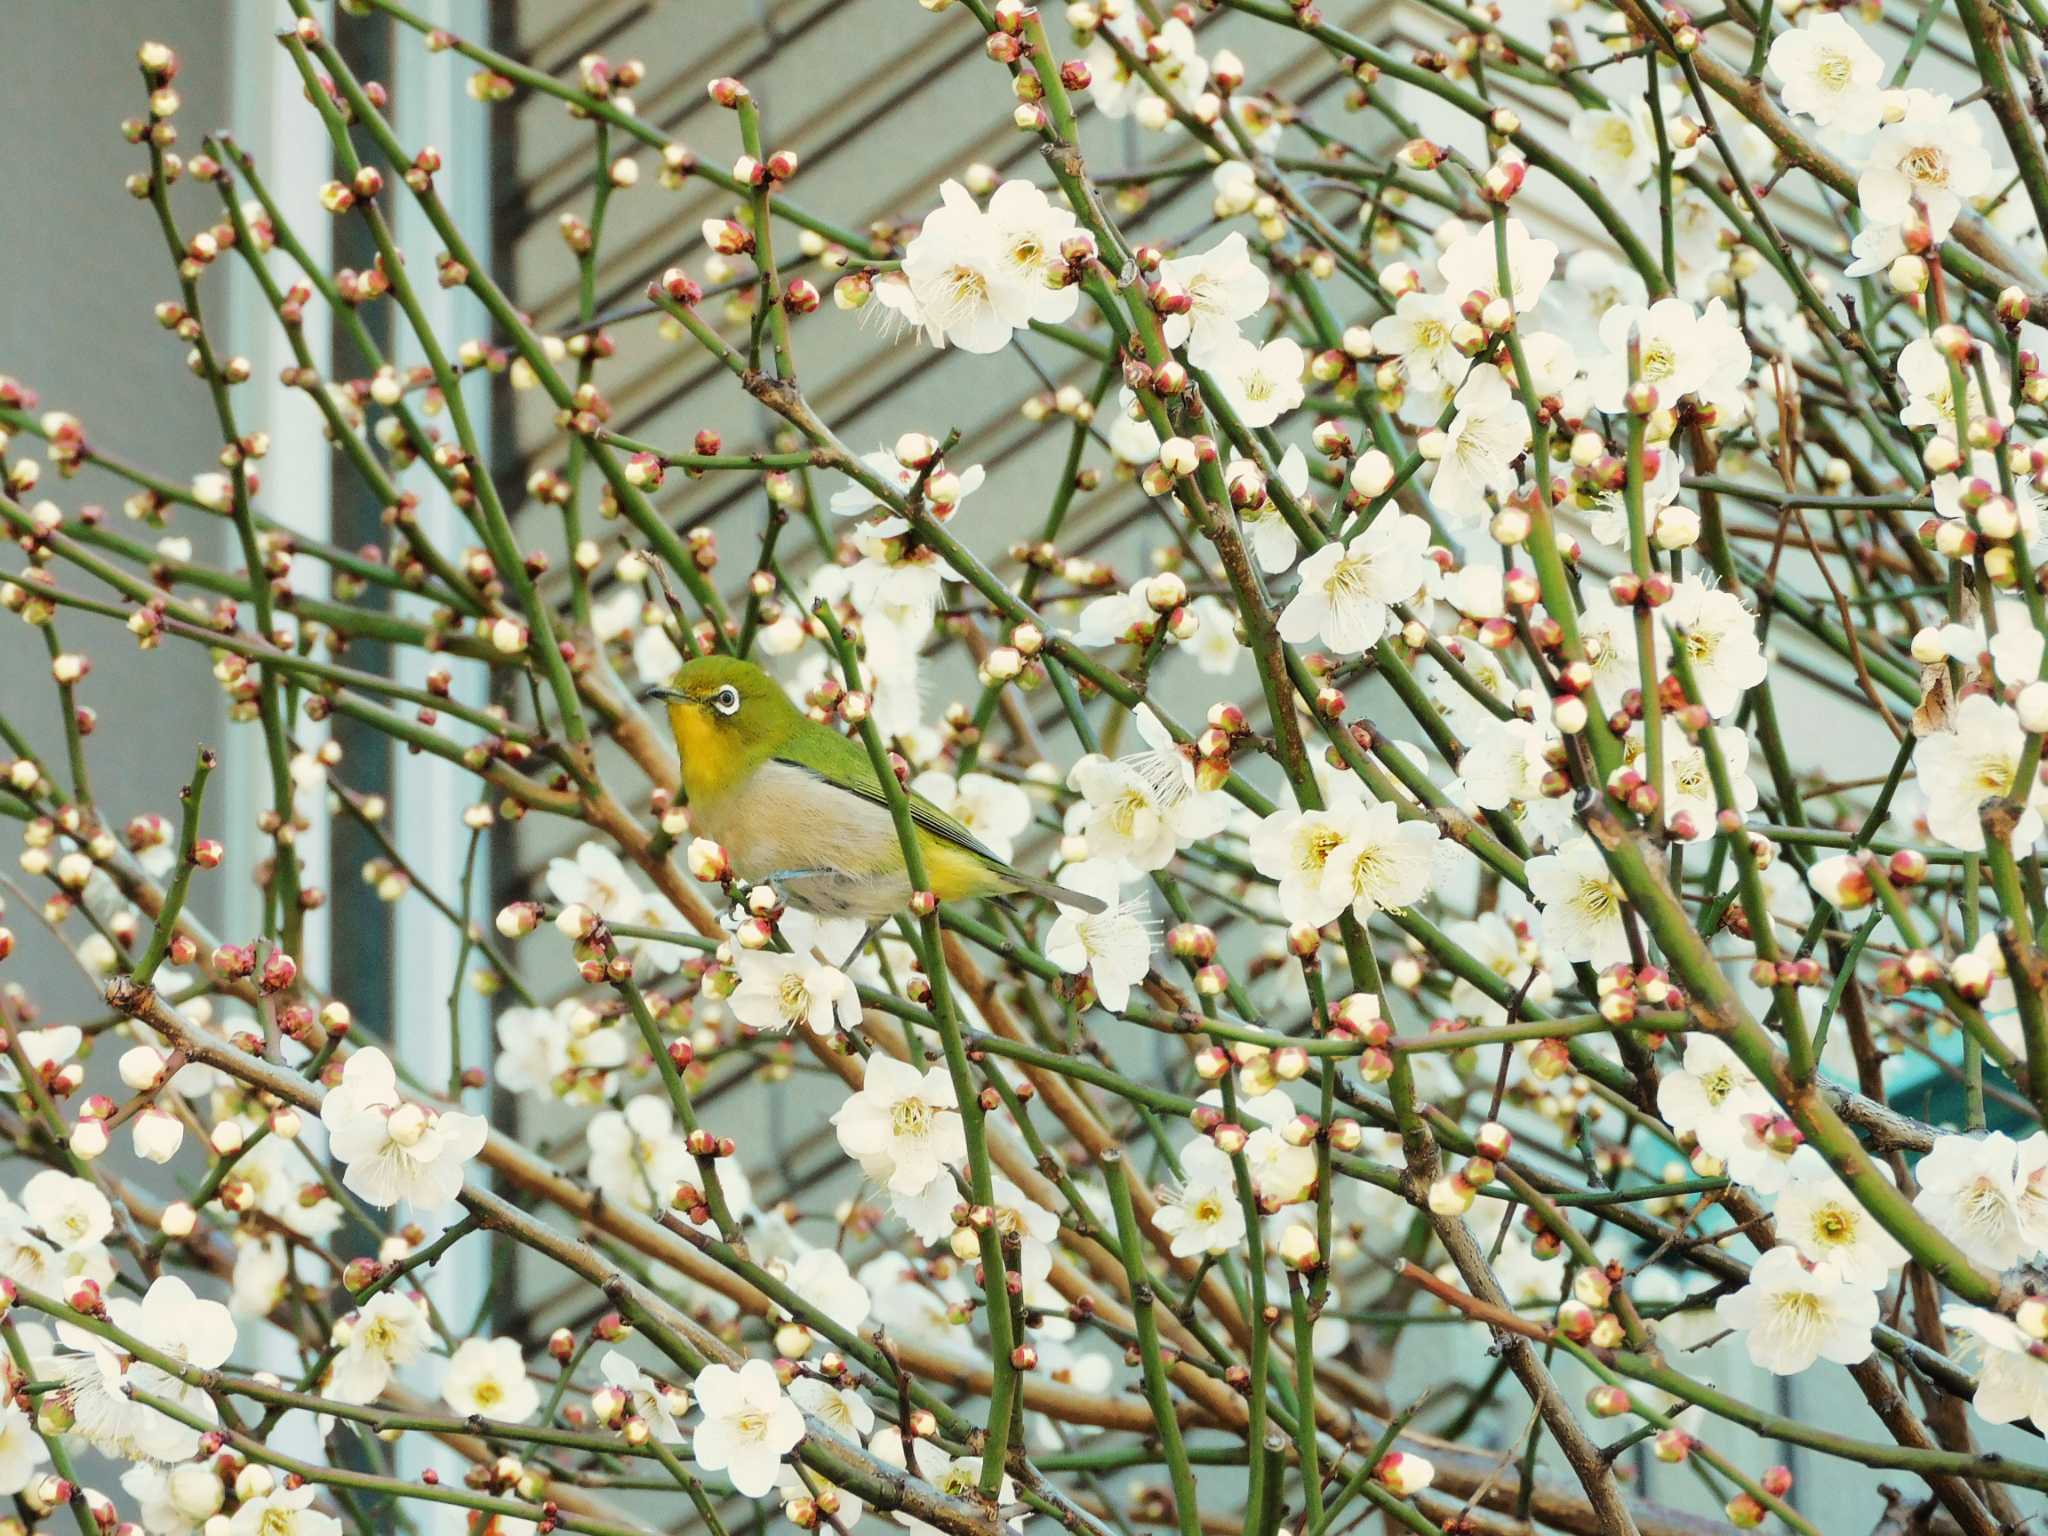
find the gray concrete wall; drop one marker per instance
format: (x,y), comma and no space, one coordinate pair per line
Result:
(81,265)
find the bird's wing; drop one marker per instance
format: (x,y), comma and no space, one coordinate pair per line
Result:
(844,764)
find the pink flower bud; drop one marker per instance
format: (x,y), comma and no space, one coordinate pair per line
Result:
(1607,1402)
(1300,1131)
(1672,1445)
(1746,1513)
(280,970)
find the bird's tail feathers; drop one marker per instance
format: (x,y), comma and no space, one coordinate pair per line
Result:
(1058,894)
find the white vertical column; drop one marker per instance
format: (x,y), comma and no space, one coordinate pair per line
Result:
(284,135)
(431,107)
(272,121)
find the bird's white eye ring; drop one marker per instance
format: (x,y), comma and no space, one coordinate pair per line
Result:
(727,700)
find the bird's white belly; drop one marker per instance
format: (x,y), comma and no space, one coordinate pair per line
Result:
(785,820)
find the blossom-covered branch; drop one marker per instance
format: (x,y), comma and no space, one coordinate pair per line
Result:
(1533,894)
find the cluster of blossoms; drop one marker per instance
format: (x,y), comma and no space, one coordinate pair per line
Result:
(1514,741)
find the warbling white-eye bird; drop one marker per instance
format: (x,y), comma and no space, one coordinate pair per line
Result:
(796,805)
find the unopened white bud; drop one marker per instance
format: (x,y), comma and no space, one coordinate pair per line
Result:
(1372,474)
(2032,705)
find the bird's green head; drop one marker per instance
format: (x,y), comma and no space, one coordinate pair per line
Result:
(728,717)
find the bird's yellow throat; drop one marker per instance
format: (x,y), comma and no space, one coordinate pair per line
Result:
(713,759)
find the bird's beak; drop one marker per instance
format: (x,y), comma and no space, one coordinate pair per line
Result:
(661,691)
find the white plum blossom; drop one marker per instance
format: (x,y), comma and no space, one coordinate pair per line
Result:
(1719,638)
(1296,849)
(1202,1215)
(778,991)
(487,1377)
(263,1269)
(1470,264)
(2012,1383)
(1214,646)
(1260,384)
(71,1212)
(276,1177)
(1582,903)
(1225,286)
(1131,435)
(171,1501)
(1712,1094)
(1974,760)
(1383,863)
(1767,1154)
(1826,71)
(636,1156)
(655,656)
(395,1149)
(1118,618)
(22,1450)
(283,1512)
(43,1050)
(1029,229)
(1688,782)
(1791,1315)
(747,1424)
(171,1320)
(1608,632)
(1929,387)
(1719,336)
(1282,1173)
(840,1409)
(1266,528)
(567,1051)
(1475,454)
(1618,144)
(1143,808)
(1171,52)
(1674,353)
(1347,588)
(853,499)
(1931,153)
(1595,281)
(596,878)
(1820,1217)
(389,1332)
(1418,335)
(1985,1195)
(1114,946)
(1493,941)
(963,280)
(1503,769)
(828,1288)
(954,1476)
(903,1126)
(1608,518)
(646,1398)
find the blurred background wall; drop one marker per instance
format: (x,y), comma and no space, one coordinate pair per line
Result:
(81,263)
